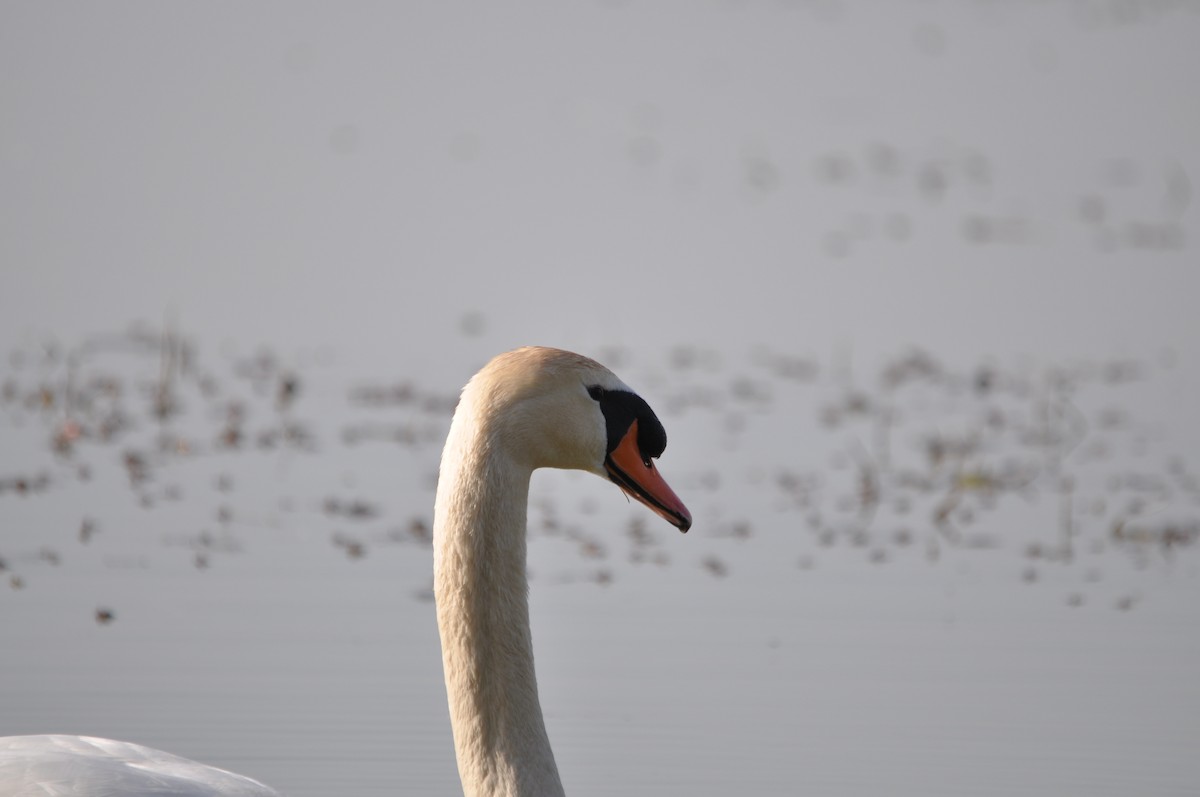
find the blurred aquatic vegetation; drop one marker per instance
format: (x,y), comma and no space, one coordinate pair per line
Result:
(922,462)
(881,193)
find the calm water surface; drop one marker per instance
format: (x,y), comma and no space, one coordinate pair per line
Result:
(264,624)
(912,288)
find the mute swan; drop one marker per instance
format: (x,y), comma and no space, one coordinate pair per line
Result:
(530,408)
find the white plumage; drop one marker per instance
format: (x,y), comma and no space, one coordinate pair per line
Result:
(86,766)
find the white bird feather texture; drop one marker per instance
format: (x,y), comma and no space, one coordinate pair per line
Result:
(79,766)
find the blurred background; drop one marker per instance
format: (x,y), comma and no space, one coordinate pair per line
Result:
(912,286)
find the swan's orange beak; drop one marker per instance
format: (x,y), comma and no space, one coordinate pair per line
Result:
(638,477)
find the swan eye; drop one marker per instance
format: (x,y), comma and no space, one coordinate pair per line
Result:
(596,392)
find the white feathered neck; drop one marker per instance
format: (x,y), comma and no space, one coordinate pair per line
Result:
(524,410)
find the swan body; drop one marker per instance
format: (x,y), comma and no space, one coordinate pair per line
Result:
(74,766)
(526,409)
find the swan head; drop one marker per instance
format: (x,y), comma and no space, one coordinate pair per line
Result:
(550,408)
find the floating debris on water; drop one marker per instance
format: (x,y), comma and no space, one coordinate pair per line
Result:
(354,548)
(355,509)
(918,462)
(715,566)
